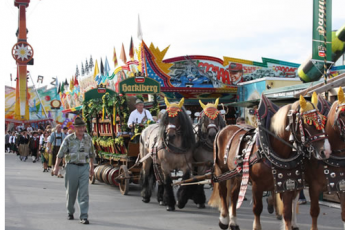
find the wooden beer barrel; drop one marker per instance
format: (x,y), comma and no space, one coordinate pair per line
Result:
(100,172)
(105,173)
(114,172)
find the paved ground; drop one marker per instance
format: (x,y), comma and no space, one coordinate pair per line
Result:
(36,200)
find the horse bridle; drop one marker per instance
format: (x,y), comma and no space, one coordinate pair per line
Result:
(211,125)
(306,138)
(170,147)
(339,122)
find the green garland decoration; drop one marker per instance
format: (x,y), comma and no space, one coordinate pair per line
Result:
(155,107)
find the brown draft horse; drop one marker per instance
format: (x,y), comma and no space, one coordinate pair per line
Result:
(260,173)
(335,129)
(209,123)
(171,144)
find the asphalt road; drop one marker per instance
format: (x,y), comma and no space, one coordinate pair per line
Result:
(36,200)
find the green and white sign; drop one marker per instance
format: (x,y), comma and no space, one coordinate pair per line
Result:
(139,85)
(322,18)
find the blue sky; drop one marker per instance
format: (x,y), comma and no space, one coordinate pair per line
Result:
(64,33)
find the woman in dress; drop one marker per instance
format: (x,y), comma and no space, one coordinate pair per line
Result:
(43,150)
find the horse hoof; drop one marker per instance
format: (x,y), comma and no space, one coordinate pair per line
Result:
(146,200)
(270,207)
(295,228)
(279,217)
(170,208)
(180,206)
(161,203)
(234,227)
(200,206)
(223,226)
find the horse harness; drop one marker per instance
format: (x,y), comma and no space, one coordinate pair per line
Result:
(335,179)
(157,147)
(204,141)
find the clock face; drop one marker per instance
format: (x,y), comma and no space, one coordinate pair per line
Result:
(55,104)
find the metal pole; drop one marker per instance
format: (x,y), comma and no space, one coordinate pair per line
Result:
(39,98)
(325,44)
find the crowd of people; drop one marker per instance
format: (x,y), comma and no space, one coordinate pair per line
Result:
(41,145)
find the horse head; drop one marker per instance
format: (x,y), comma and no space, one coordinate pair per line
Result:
(210,121)
(336,117)
(175,125)
(308,127)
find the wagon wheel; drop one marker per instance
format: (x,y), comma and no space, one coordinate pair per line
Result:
(124,183)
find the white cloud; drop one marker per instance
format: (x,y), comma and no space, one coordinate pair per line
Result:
(64,33)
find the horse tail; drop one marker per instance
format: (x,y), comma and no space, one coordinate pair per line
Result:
(215,200)
(279,205)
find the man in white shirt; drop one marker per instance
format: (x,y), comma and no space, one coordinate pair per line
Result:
(139,115)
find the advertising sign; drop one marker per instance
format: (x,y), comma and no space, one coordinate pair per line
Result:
(322,16)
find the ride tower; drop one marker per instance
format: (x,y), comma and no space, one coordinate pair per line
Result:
(23,53)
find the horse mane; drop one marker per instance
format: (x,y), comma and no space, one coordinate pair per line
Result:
(279,120)
(332,112)
(187,132)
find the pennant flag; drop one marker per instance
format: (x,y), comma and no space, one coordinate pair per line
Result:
(71,84)
(90,64)
(82,70)
(62,88)
(106,67)
(76,81)
(59,88)
(123,55)
(86,67)
(66,82)
(115,58)
(96,71)
(140,33)
(102,68)
(77,72)
(131,50)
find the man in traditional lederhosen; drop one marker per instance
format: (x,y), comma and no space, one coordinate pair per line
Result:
(34,144)
(56,139)
(78,151)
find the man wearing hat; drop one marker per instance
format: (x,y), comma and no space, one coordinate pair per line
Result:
(78,151)
(236,73)
(54,144)
(139,115)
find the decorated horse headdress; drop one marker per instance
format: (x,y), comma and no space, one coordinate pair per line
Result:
(174,108)
(210,109)
(341,100)
(310,114)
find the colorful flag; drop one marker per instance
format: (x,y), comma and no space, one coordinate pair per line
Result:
(102,68)
(140,33)
(96,71)
(62,88)
(106,67)
(123,55)
(71,84)
(115,58)
(131,50)
(76,81)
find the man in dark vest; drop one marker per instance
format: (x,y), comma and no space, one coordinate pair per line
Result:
(34,144)
(56,139)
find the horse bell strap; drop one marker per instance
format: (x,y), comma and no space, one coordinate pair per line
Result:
(156,168)
(245,176)
(335,179)
(228,146)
